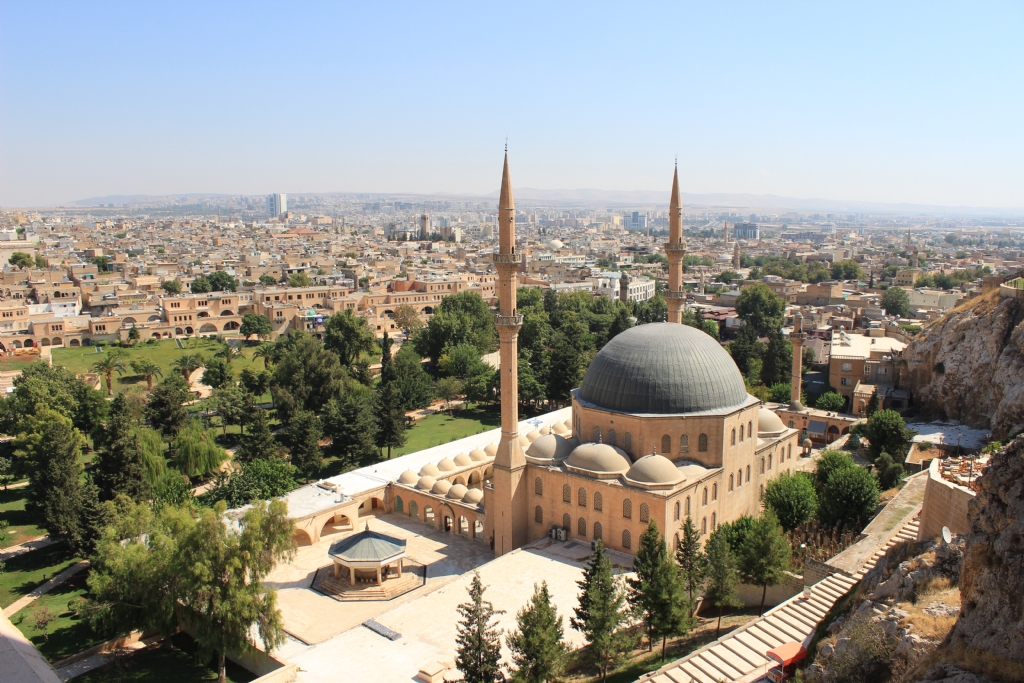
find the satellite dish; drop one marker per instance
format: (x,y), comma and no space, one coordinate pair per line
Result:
(946,536)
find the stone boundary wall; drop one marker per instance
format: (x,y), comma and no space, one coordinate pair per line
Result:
(816,570)
(750,595)
(945,504)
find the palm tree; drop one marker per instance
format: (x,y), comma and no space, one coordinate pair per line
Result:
(228,353)
(147,369)
(266,352)
(188,363)
(106,367)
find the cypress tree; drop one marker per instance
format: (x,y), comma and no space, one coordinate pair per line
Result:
(691,559)
(538,651)
(305,433)
(478,651)
(259,443)
(602,613)
(352,426)
(390,418)
(658,592)
(53,446)
(764,556)
(722,576)
(121,469)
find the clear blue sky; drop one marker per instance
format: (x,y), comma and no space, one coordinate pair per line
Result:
(895,101)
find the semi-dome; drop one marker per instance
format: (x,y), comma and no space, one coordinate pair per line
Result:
(654,469)
(663,368)
(457,492)
(426,483)
(446,465)
(598,457)
(491,449)
(429,470)
(768,423)
(462,460)
(473,497)
(441,487)
(551,447)
(408,477)
(477,455)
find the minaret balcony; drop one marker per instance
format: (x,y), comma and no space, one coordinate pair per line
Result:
(508,320)
(676,296)
(508,258)
(675,246)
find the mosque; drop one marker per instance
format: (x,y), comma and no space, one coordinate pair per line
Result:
(662,428)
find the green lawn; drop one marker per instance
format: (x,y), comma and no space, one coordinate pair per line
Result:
(7,365)
(441,428)
(26,572)
(163,665)
(12,509)
(163,353)
(67,635)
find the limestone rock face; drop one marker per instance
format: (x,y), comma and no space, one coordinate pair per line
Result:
(969,366)
(992,581)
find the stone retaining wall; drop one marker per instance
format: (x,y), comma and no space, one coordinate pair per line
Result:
(945,504)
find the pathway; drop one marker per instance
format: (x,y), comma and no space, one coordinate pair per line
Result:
(195,381)
(21,603)
(26,546)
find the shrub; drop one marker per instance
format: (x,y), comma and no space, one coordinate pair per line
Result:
(889,473)
(792,498)
(850,497)
(830,401)
(829,462)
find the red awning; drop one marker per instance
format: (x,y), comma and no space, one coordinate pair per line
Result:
(787,653)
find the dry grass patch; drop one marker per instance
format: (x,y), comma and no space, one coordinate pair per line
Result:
(926,625)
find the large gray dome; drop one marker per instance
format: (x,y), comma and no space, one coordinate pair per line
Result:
(663,368)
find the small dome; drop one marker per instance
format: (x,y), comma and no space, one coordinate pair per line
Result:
(654,469)
(441,487)
(491,449)
(426,483)
(598,457)
(533,436)
(551,447)
(554,244)
(429,470)
(477,455)
(807,443)
(544,431)
(568,424)
(462,460)
(446,465)
(457,492)
(558,428)
(524,443)
(768,423)
(408,477)
(473,497)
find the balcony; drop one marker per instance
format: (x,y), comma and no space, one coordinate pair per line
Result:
(674,246)
(508,258)
(508,320)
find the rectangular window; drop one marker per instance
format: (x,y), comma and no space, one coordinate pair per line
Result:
(845,381)
(847,367)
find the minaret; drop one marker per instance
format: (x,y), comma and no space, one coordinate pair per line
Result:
(508,505)
(675,250)
(736,261)
(797,338)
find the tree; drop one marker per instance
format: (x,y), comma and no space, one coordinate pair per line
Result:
(268,280)
(20,259)
(461,361)
(621,323)
(266,351)
(258,325)
(886,431)
(691,559)
(846,270)
(107,366)
(165,408)
(413,383)
(306,376)
(52,446)
(132,458)
(57,388)
(658,592)
(348,335)
(765,554)
(390,418)
(172,287)
(256,480)
(447,388)
(255,383)
(217,374)
(258,443)
(188,363)
(746,352)
(602,613)
(850,497)
(830,461)
(777,361)
(538,651)
(6,471)
(221,281)
(200,285)
(780,391)
(408,319)
(133,335)
(148,369)
(195,452)
(478,643)
(569,360)
(41,262)
(759,307)
(42,620)
(889,473)
(350,423)
(792,498)
(830,401)
(299,279)
(896,302)
(722,576)
(872,406)
(304,433)
(232,404)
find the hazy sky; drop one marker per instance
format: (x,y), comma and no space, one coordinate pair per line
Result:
(899,101)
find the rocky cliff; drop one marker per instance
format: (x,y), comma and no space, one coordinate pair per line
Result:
(969,365)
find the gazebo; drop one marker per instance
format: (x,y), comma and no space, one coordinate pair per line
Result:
(368,555)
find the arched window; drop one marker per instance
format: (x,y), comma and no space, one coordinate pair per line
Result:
(732,480)
(567,523)
(414,510)
(741,433)
(566,493)
(645,513)
(704,526)
(704,498)
(675,512)
(702,443)
(611,437)
(538,486)
(790,424)
(750,429)
(627,509)
(790,455)
(598,506)
(666,444)
(762,465)
(687,508)
(739,477)
(597,531)
(714,520)
(596,434)
(581,527)
(399,505)
(581,497)
(627,539)
(733,443)
(684,443)
(748,472)
(760,495)
(677,542)
(769,461)
(714,491)
(627,442)
(538,514)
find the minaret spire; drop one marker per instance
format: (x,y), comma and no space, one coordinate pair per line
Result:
(675,250)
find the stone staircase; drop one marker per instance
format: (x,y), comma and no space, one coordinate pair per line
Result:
(739,656)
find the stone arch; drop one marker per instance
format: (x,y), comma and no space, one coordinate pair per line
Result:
(74,343)
(687,508)
(29,343)
(627,509)
(732,482)
(598,531)
(226,312)
(598,501)
(488,471)
(464,526)
(739,477)
(478,529)
(714,491)
(704,526)
(302,537)
(474,479)
(596,434)
(428,516)
(627,442)
(128,321)
(627,539)
(155,335)
(178,330)
(748,473)
(189,330)
(44,342)
(203,314)
(762,466)
(704,497)
(448,518)
(154,319)
(57,341)
(684,443)
(231,325)
(538,486)
(769,461)
(675,512)
(414,509)
(399,504)
(429,310)
(207,328)
(461,479)
(733,440)
(750,429)
(714,520)
(15,344)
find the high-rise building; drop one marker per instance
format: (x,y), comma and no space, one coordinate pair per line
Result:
(635,221)
(277,205)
